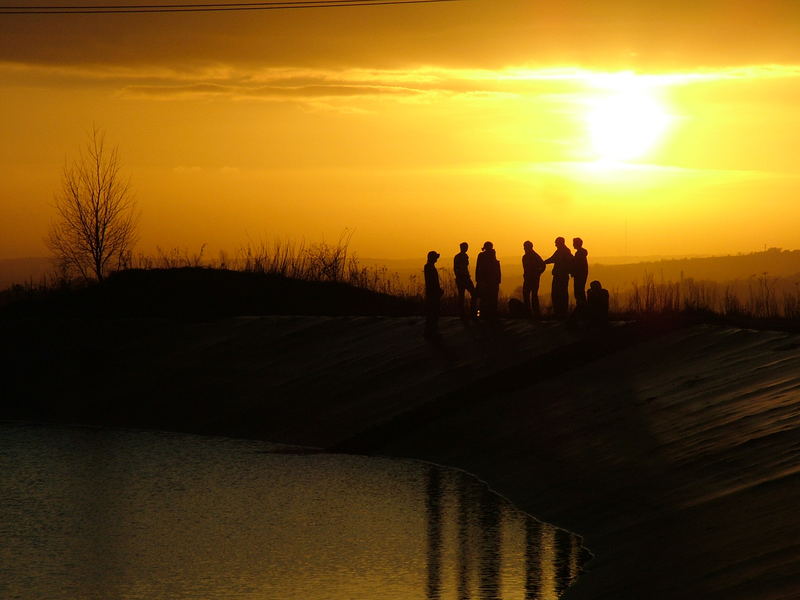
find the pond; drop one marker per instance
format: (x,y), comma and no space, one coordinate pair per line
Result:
(105,514)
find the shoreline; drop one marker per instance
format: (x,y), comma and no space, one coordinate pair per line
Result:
(674,454)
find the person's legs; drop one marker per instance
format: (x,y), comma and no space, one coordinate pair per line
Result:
(491,301)
(473,298)
(526,293)
(534,299)
(560,296)
(461,287)
(431,318)
(579,290)
(467,285)
(565,296)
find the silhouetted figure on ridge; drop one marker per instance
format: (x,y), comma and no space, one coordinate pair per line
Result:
(487,279)
(562,267)
(580,272)
(597,303)
(532,269)
(464,281)
(433,295)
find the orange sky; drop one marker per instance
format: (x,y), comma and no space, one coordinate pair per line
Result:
(643,130)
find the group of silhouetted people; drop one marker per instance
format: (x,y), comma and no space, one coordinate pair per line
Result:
(591,305)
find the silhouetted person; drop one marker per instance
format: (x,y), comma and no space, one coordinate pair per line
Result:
(463,280)
(532,269)
(487,278)
(562,267)
(433,295)
(580,272)
(597,303)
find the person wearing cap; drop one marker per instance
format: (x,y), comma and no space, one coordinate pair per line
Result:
(487,280)
(433,295)
(532,269)
(562,268)
(463,280)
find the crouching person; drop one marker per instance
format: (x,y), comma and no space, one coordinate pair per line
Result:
(597,303)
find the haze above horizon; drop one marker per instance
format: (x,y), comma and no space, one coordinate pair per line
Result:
(645,131)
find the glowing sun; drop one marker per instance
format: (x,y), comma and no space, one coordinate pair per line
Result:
(625,123)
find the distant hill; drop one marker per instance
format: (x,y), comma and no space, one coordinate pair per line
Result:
(23,270)
(774,262)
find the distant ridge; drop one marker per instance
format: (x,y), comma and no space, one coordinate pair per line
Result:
(621,272)
(772,263)
(23,270)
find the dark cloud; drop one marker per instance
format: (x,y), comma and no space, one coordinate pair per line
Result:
(594,33)
(304,84)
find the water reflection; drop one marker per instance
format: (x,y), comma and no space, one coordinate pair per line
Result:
(433,504)
(491,551)
(482,548)
(464,558)
(533,557)
(100,514)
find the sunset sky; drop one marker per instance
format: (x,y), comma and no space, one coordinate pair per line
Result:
(645,128)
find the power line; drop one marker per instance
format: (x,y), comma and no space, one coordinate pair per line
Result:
(192,5)
(174,8)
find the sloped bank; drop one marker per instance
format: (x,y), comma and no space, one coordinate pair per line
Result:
(676,458)
(674,453)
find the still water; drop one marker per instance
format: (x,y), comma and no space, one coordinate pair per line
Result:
(102,514)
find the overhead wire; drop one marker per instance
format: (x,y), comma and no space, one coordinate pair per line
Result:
(176,5)
(202,7)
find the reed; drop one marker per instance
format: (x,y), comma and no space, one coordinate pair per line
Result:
(758,297)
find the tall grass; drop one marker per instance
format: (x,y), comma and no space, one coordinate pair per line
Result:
(760,297)
(319,261)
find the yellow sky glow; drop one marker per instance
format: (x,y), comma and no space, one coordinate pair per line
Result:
(411,154)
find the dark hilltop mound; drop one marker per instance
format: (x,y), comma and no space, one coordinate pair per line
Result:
(203,293)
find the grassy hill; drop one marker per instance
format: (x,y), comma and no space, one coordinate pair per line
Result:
(201,293)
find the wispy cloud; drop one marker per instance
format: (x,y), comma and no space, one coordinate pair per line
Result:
(418,84)
(265,92)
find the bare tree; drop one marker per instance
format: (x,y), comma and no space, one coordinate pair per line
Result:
(96,225)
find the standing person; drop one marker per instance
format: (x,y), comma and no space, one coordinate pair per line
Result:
(532,269)
(580,273)
(487,278)
(433,295)
(562,267)
(463,280)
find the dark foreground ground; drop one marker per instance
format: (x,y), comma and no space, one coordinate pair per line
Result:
(674,451)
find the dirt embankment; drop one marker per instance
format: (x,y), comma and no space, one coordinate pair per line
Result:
(676,454)
(678,459)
